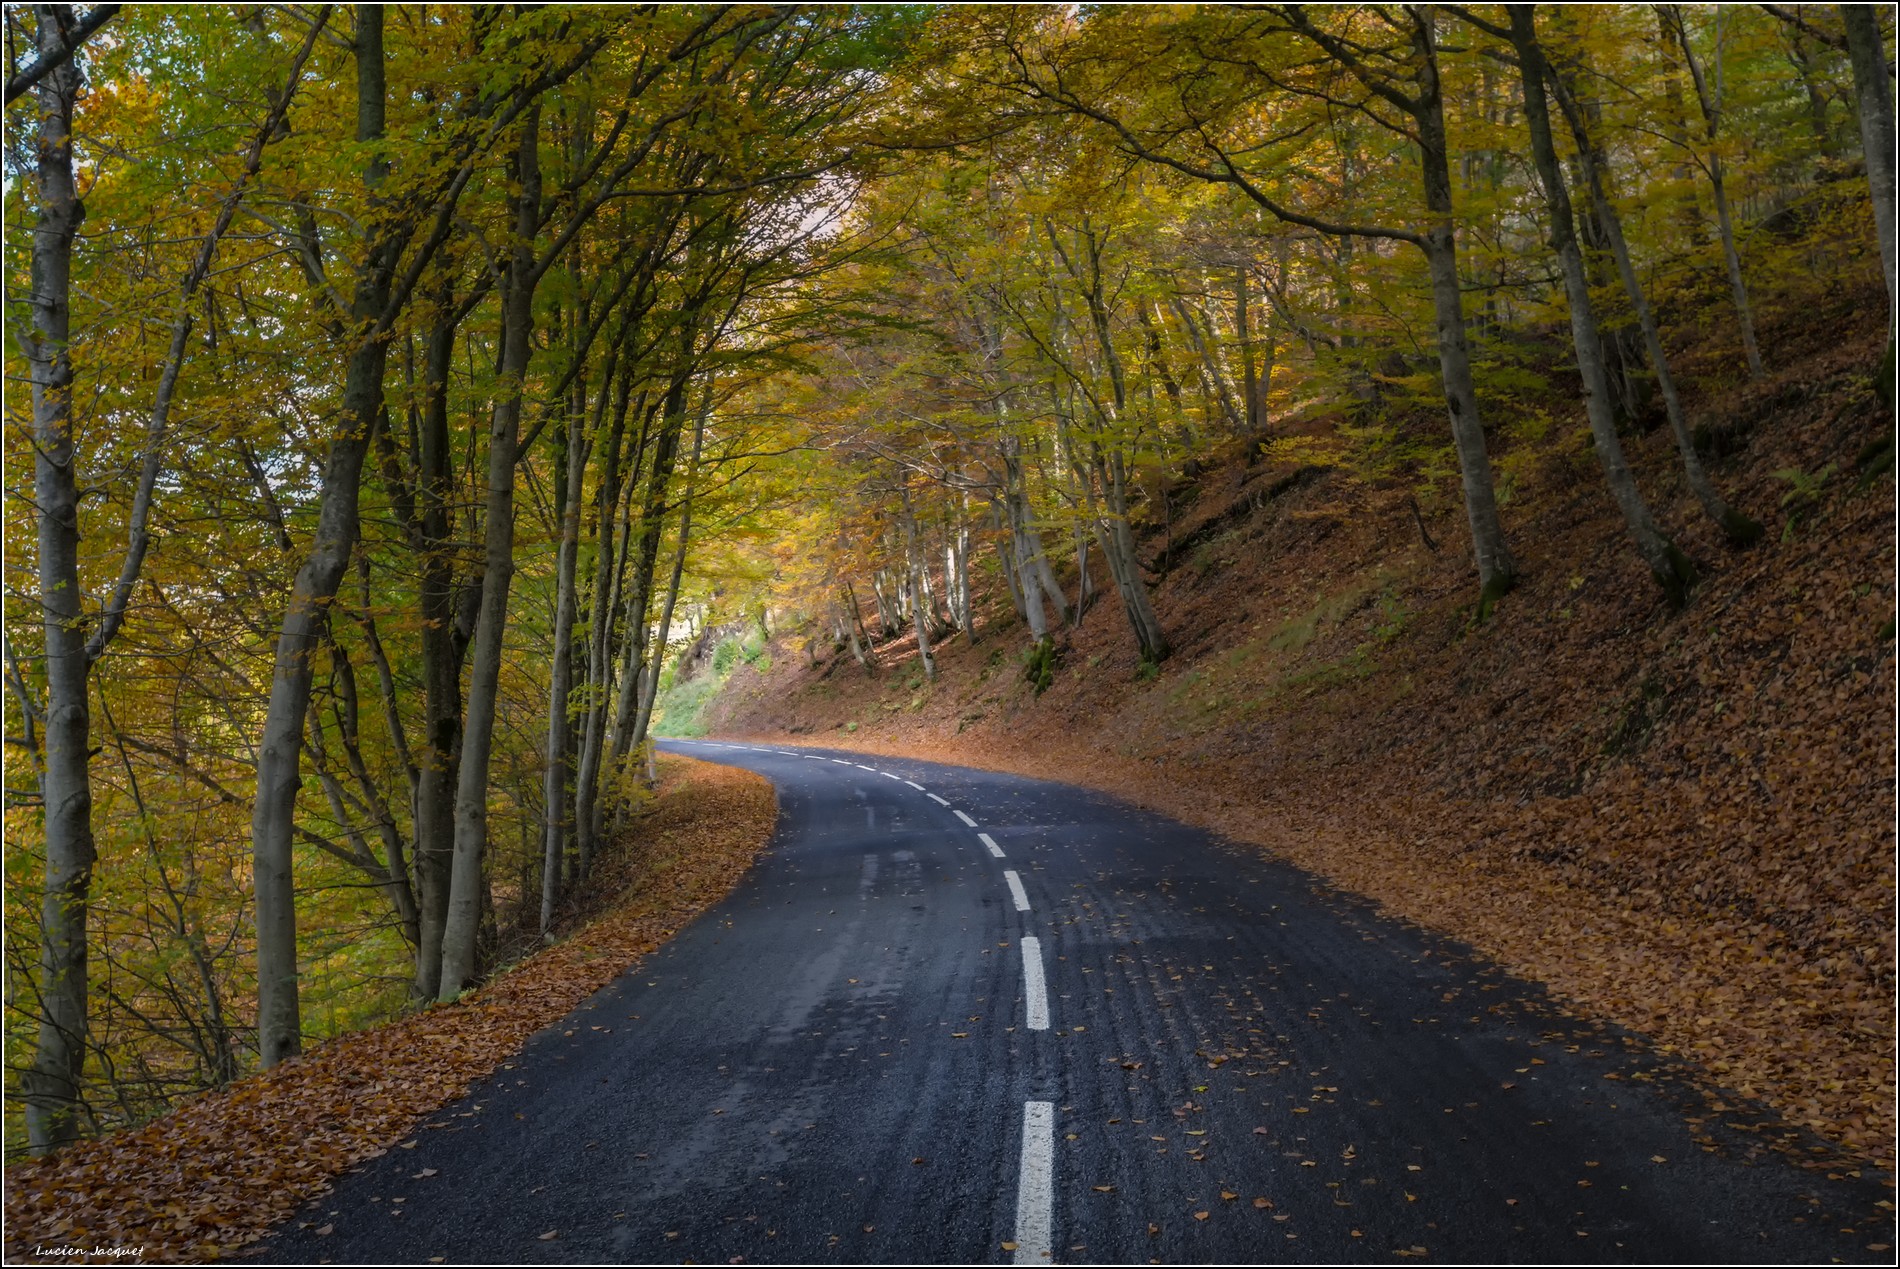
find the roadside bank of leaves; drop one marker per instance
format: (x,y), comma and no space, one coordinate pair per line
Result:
(201,1182)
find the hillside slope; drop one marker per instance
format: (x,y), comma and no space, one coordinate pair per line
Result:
(1682,822)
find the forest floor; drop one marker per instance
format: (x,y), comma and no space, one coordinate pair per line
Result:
(200,1183)
(1682,822)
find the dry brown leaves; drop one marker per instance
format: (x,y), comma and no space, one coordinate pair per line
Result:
(1679,823)
(217,1173)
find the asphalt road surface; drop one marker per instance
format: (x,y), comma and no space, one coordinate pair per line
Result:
(959,1017)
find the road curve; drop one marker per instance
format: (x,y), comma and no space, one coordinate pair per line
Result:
(959,1017)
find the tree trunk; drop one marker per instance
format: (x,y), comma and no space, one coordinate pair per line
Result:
(1212,380)
(51,1084)
(463,921)
(650,692)
(1497,570)
(601,612)
(966,610)
(646,551)
(280,749)
(1667,564)
(918,610)
(1688,214)
(444,643)
(1739,528)
(1873,91)
(1250,377)
(1118,548)
(556,817)
(1711,102)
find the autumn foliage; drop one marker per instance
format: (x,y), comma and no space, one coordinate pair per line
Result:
(198,1184)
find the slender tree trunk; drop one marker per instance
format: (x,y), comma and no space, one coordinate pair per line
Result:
(1873,91)
(1118,549)
(280,749)
(1212,379)
(1006,557)
(462,923)
(918,609)
(1711,102)
(1739,528)
(966,609)
(1667,564)
(650,692)
(444,643)
(600,632)
(1688,214)
(646,551)
(556,816)
(1497,570)
(51,1084)
(1250,375)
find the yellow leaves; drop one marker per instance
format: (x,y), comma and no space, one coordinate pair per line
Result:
(198,1169)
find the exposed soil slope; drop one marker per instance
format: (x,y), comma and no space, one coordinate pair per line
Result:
(1682,822)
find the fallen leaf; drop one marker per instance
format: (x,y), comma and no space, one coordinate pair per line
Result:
(549,1236)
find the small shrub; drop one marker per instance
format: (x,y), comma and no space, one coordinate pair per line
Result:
(1039,664)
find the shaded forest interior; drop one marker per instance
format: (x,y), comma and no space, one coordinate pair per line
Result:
(1459,436)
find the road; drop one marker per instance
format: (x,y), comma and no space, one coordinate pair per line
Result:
(955,1016)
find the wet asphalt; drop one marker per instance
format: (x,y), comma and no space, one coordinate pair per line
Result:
(837,1065)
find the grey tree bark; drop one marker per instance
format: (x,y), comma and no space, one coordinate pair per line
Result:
(556,805)
(1739,528)
(1710,98)
(601,610)
(650,691)
(279,751)
(462,921)
(52,1084)
(1497,569)
(919,609)
(1667,564)
(1873,91)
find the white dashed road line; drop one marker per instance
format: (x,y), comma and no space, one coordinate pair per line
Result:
(1035,992)
(934,798)
(1035,1185)
(913,784)
(1016,890)
(990,842)
(966,819)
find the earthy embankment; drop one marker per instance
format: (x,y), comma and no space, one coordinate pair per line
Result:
(200,1183)
(1679,822)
